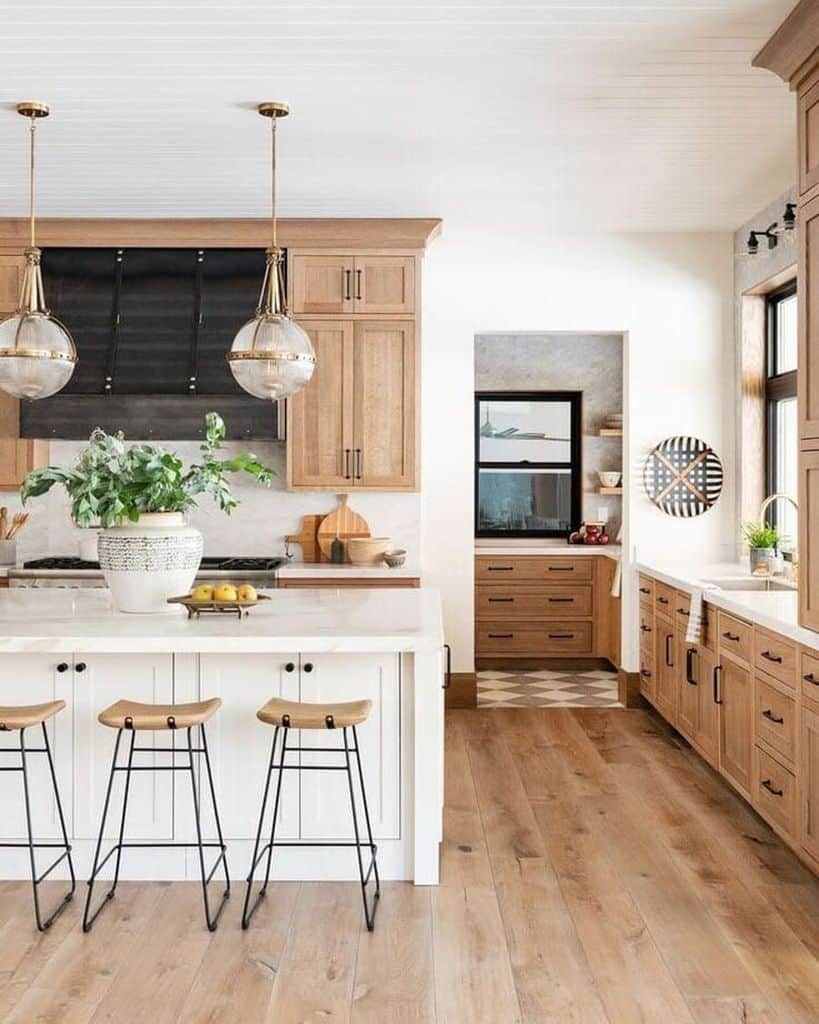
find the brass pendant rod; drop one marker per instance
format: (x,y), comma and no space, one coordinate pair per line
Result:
(273,121)
(31,179)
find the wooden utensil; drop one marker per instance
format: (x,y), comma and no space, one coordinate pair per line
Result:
(343,523)
(306,538)
(18,522)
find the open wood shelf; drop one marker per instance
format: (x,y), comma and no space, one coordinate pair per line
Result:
(609,490)
(610,432)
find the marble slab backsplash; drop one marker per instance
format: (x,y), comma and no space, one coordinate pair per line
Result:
(256,527)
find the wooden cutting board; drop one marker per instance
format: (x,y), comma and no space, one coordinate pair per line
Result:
(307,538)
(344,524)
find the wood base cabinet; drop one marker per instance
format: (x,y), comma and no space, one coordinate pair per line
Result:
(736,718)
(665,660)
(809,781)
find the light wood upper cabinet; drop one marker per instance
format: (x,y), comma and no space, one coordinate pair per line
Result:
(322,284)
(808,552)
(808,129)
(808,321)
(352,284)
(320,416)
(736,740)
(355,422)
(384,404)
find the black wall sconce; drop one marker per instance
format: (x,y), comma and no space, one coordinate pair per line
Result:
(762,242)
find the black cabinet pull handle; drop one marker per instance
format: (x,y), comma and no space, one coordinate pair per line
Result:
(645,672)
(731,636)
(308,666)
(668,638)
(561,600)
(644,628)
(448,670)
(560,568)
(644,590)
(501,636)
(689,666)
(811,678)
(358,464)
(501,600)
(63,666)
(767,713)
(80,666)
(290,667)
(717,677)
(684,611)
(771,788)
(347,474)
(662,600)
(500,568)
(775,658)
(561,636)
(348,274)
(358,284)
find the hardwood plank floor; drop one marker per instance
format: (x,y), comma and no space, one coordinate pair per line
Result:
(594,870)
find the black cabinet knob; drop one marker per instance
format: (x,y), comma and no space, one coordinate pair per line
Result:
(289,667)
(63,666)
(308,666)
(80,666)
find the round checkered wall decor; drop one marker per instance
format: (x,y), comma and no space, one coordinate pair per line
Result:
(683,476)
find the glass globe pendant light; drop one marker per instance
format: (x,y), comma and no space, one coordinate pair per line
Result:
(271,356)
(37,354)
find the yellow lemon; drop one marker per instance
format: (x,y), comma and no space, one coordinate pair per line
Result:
(225,592)
(203,593)
(247,593)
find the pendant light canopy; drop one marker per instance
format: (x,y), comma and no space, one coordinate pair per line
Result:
(271,356)
(37,354)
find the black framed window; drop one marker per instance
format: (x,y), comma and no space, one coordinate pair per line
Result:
(528,469)
(780,393)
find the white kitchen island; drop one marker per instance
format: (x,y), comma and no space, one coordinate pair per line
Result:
(310,645)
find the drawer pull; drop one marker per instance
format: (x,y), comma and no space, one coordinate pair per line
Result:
(561,636)
(501,636)
(684,611)
(775,658)
(501,600)
(644,590)
(668,638)
(811,678)
(645,673)
(561,600)
(767,713)
(500,568)
(561,568)
(689,666)
(716,683)
(771,787)
(644,628)
(63,666)
(731,636)
(662,600)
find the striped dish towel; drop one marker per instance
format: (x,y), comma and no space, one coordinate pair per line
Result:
(693,634)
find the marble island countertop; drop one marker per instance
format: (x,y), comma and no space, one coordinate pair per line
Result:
(776,609)
(306,619)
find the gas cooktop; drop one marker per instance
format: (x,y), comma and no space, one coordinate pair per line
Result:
(210,563)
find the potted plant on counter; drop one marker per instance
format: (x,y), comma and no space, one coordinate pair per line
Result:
(762,541)
(139,495)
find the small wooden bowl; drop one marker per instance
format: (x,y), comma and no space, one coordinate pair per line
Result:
(395,559)
(195,608)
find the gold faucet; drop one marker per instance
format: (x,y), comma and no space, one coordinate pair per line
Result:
(766,504)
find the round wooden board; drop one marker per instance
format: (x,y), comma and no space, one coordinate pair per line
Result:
(344,524)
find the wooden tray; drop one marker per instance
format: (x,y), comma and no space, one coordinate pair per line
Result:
(195,608)
(307,538)
(344,524)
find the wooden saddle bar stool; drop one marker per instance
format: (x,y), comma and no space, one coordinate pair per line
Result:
(19,719)
(132,717)
(285,715)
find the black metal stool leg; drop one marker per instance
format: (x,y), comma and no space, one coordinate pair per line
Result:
(247,910)
(32,845)
(369,911)
(222,858)
(87,921)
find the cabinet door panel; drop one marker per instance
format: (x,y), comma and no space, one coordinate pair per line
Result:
(707,735)
(319,435)
(736,724)
(689,684)
(809,550)
(809,783)
(666,668)
(325,803)
(808,320)
(385,284)
(240,744)
(384,404)
(34,679)
(322,284)
(147,678)
(808,129)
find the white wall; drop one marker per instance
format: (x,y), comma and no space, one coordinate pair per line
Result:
(671,295)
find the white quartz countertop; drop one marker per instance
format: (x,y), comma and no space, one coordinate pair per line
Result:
(777,610)
(610,550)
(302,620)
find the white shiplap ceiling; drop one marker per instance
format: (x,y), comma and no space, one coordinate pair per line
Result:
(609,114)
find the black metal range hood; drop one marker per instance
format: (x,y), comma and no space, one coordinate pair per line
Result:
(152,327)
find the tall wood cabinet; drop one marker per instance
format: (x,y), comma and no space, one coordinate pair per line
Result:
(793,54)
(355,425)
(17,456)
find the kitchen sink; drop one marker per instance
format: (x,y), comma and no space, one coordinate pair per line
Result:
(751,585)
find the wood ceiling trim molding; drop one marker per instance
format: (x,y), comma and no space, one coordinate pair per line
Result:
(407,233)
(794,45)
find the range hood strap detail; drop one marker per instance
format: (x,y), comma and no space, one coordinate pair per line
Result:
(119,257)
(198,319)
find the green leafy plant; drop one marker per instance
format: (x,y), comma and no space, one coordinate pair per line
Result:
(758,535)
(111,482)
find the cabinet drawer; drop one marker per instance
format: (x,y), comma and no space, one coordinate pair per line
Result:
(665,598)
(776,656)
(532,569)
(735,637)
(775,717)
(646,624)
(682,609)
(809,675)
(555,639)
(645,588)
(775,792)
(514,603)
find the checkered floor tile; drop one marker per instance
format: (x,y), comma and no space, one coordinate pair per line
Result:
(546,688)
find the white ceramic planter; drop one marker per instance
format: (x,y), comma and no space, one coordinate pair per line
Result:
(146,562)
